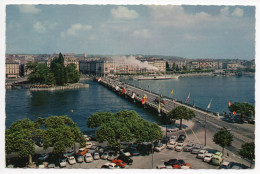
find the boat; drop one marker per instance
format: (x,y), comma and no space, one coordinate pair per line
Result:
(156,77)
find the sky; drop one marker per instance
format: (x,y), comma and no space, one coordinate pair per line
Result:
(192,31)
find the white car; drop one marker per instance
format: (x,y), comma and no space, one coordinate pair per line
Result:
(104,155)
(160,147)
(126,153)
(62,162)
(71,160)
(88,157)
(96,156)
(208,157)
(87,137)
(173,138)
(172,146)
(89,145)
(179,147)
(202,153)
(109,166)
(172,129)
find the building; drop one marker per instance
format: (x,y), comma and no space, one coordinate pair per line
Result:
(12,69)
(157,64)
(68,59)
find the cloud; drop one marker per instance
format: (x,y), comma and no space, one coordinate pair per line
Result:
(123,13)
(224,11)
(143,33)
(75,29)
(39,27)
(29,9)
(238,12)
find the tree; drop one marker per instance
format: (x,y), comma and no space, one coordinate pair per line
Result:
(181,112)
(50,79)
(60,132)
(123,126)
(174,67)
(223,138)
(245,109)
(19,138)
(39,72)
(167,66)
(72,73)
(248,151)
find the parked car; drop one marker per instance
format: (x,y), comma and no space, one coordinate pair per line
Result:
(125,152)
(79,158)
(179,147)
(89,145)
(188,147)
(165,140)
(109,166)
(185,166)
(181,138)
(87,137)
(226,165)
(207,158)
(88,158)
(51,165)
(104,155)
(112,155)
(172,146)
(120,163)
(196,148)
(100,149)
(160,147)
(173,139)
(202,153)
(43,156)
(71,160)
(62,162)
(217,158)
(126,159)
(82,151)
(161,166)
(172,129)
(69,153)
(96,156)
(171,162)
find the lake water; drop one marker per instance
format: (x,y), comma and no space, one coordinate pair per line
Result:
(79,104)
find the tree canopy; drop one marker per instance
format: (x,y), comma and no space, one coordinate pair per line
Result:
(245,109)
(181,112)
(223,138)
(123,126)
(248,151)
(57,73)
(59,132)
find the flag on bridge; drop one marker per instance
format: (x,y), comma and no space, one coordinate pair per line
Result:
(234,113)
(172,92)
(99,79)
(144,100)
(123,91)
(229,103)
(159,107)
(209,105)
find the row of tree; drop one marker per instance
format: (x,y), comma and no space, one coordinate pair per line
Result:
(56,74)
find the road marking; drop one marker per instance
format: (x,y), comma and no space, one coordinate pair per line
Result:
(186,134)
(195,135)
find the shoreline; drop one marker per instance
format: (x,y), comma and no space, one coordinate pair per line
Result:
(54,88)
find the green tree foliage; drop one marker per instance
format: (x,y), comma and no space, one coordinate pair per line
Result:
(72,73)
(123,126)
(245,109)
(19,138)
(248,151)
(39,72)
(181,112)
(167,66)
(223,138)
(174,67)
(60,132)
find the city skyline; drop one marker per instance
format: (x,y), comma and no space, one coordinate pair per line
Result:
(186,31)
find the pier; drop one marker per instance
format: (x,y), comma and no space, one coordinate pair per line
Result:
(117,86)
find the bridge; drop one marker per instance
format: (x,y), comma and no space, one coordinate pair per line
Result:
(9,83)
(152,98)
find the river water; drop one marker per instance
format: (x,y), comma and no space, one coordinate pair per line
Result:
(79,104)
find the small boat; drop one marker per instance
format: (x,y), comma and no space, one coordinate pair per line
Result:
(156,77)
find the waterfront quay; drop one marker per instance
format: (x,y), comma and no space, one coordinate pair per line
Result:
(242,133)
